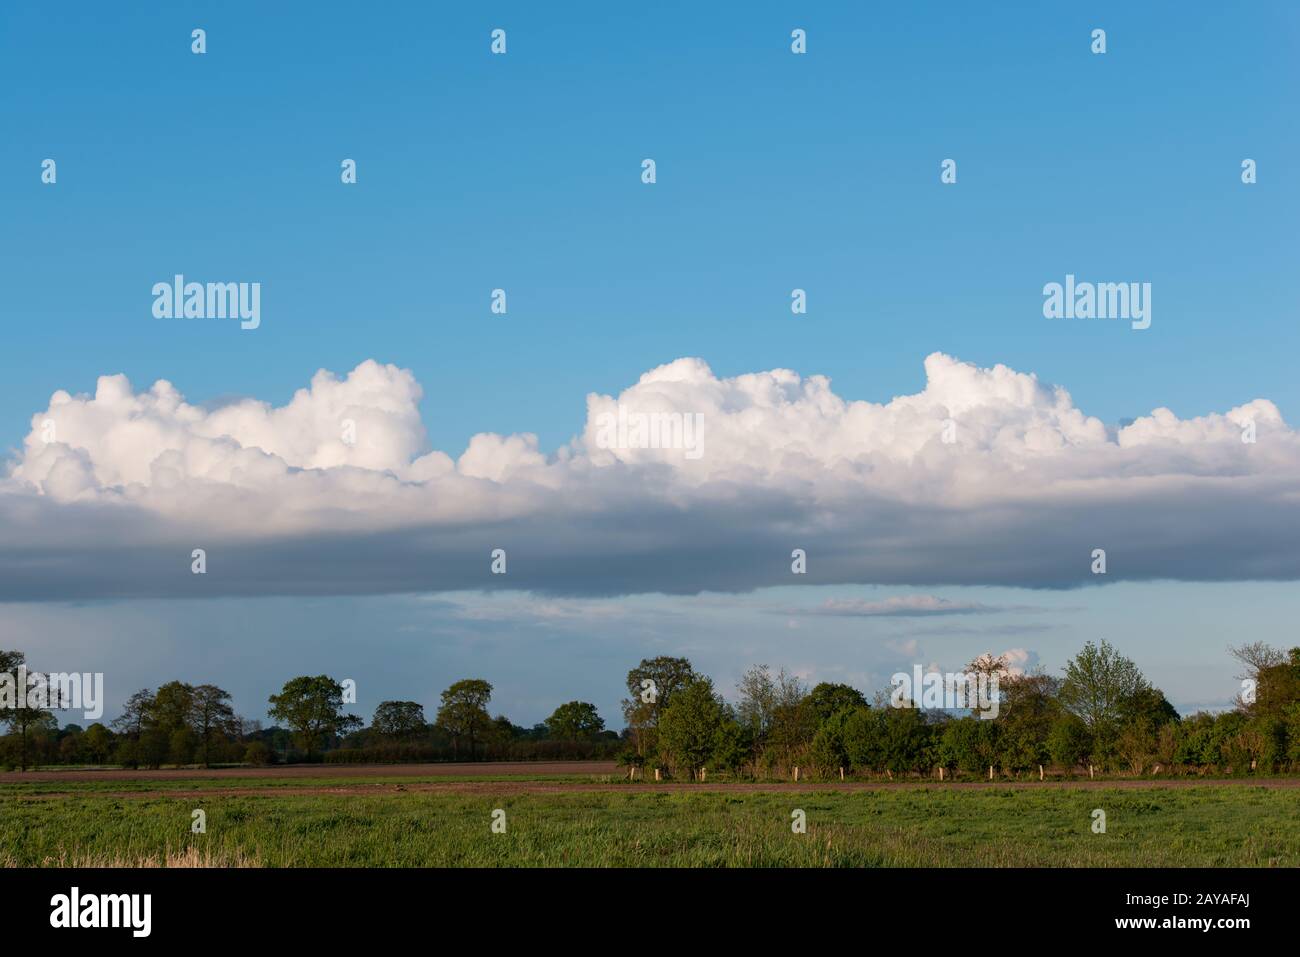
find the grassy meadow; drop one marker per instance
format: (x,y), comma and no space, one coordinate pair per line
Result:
(923,826)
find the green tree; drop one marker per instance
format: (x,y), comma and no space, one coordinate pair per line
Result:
(154,747)
(1272,733)
(575,721)
(1069,741)
(1028,704)
(181,745)
(172,706)
(969,744)
(400,720)
(1277,687)
(1256,657)
(1291,721)
(1099,682)
(211,718)
(72,745)
(731,744)
(312,707)
(1195,746)
(464,713)
(829,749)
(792,723)
(828,699)
(906,740)
(756,701)
(99,742)
(135,715)
(24,721)
(651,686)
(1222,741)
(689,726)
(760,695)
(501,731)
(1148,706)
(257,754)
(863,737)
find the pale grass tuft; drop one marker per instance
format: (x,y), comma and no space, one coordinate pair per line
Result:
(182,857)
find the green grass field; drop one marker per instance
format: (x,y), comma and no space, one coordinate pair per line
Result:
(916,826)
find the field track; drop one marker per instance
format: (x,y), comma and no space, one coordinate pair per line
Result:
(370,781)
(466,769)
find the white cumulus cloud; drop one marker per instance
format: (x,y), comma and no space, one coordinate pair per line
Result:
(985,476)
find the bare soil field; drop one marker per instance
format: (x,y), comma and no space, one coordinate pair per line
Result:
(462,769)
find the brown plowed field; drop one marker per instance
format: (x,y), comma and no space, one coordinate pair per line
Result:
(494,768)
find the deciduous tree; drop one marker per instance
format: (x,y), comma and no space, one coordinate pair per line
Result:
(400,720)
(464,713)
(312,707)
(575,721)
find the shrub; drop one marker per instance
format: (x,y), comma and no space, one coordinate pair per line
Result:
(1069,741)
(258,754)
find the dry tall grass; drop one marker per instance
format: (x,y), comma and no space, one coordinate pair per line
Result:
(181,857)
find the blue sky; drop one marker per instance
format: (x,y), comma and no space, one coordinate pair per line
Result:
(411,647)
(775,171)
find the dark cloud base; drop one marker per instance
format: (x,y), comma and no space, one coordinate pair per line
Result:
(75,552)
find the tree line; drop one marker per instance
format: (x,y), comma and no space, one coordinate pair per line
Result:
(1101,711)
(184,724)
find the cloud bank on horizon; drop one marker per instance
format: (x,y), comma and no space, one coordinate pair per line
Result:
(985,476)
